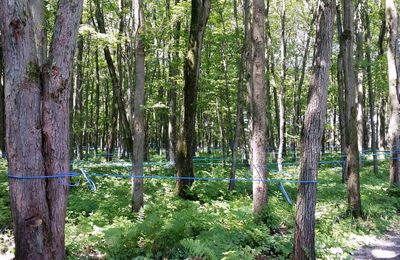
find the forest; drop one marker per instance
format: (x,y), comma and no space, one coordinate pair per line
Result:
(199,129)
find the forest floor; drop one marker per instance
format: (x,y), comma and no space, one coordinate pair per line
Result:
(375,247)
(216,224)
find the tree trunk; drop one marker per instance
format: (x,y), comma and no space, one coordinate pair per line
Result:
(117,88)
(258,141)
(138,120)
(352,153)
(239,106)
(394,121)
(360,76)
(97,104)
(2,108)
(282,89)
(371,96)
(78,113)
(184,165)
(40,106)
(313,126)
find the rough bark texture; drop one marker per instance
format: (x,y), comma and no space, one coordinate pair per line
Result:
(352,153)
(394,121)
(38,106)
(138,119)
(258,141)
(313,126)
(184,165)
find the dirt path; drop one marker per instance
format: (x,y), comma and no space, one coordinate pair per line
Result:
(387,247)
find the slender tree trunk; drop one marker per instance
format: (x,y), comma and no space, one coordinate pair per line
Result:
(97,104)
(239,106)
(2,108)
(382,125)
(371,96)
(394,121)
(173,73)
(38,106)
(258,141)
(352,153)
(117,87)
(360,76)
(184,166)
(78,113)
(282,88)
(138,120)
(313,126)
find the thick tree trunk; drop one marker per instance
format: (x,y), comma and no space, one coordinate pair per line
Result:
(138,120)
(38,105)
(258,141)
(394,121)
(184,165)
(304,244)
(352,153)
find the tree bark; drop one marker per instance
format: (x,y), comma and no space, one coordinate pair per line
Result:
(352,153)
(313,126)
(138,120)
(282,88)
(2,108)
(184,165)
(258,141)
(394,121)
(38,105)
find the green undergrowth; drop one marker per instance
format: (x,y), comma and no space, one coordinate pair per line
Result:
(217,224)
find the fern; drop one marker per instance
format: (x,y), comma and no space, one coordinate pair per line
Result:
(194,249)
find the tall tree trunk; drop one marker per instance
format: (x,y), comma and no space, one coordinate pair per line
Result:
(172,107)
(239,105)
(382,125)
(360,76)
(117,87)
(352,153)
(78,113)
(313,126)
(138,120)
(341,94)
(394,121)
(282,88)
(97,104)
(258,141)
(2,108)
(38,106)
(371,96)
(184,165)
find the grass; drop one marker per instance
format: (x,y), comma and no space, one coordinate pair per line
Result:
(218,225)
